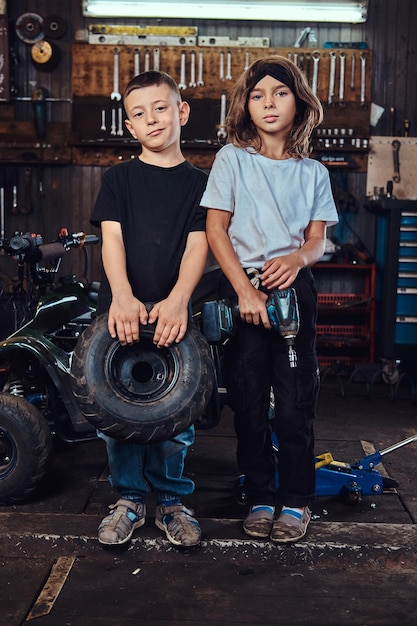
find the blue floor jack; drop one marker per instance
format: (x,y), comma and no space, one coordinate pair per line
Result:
(348,481)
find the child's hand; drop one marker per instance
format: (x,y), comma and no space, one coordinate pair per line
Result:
(124,317)
(280,272)
(172,322)
(252,307)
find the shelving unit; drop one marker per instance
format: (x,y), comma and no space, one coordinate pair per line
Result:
(346,314)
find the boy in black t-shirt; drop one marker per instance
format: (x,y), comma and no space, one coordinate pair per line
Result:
(154,249)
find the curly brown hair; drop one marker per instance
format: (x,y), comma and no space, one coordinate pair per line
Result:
(243,133)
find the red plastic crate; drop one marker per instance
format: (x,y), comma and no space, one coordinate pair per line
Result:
(343,301)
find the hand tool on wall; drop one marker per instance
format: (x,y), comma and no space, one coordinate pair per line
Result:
(136,61)
(229,66)
(342,57)
(27,179)
(332,77)
(221,130)
(156,58)
(246,60)
(406,127)
(221,65)
(316,59)
(182,84)
(120,121)
(200,81)
(113,122)
(352,71)
(192,82)
(147,60)
(115,94)
(103,120)
(396,145)
(392,121)
(15,208)
(363,78)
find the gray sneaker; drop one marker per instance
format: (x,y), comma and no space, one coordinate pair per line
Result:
(124,517)
(179,525)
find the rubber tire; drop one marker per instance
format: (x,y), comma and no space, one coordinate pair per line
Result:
(26,441)
(139,392)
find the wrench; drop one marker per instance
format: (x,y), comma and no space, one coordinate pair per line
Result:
(246,60)
(396,145)
(103,120)
(192,82)
(363,78)
(221,130)
(229,66)
(120,122)
(332,56)
(136,61)
(156,59)
(352,72)
(147,60)
(113,122)
(342,56)
(316,59)
(221,66)
(182,85)
(115,94)
(200,81)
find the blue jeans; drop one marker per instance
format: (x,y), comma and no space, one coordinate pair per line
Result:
(138,469)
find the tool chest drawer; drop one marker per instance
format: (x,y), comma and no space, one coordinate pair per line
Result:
(346,314)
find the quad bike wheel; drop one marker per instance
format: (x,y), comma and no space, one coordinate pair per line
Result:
(139,392)
(25,446)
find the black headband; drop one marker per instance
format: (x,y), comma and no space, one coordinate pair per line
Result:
(276,71)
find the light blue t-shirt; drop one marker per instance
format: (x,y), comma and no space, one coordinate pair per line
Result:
(271,202)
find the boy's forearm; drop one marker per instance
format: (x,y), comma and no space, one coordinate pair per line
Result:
(192,266)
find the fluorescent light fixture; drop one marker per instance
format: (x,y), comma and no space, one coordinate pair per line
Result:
(270,10)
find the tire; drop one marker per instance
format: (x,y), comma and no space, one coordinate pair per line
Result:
(25,446)
(139,392)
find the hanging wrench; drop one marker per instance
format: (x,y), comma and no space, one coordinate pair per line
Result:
(352,72)
(246,60)
(136,61)
(342,56)
(115,94)
(192,82)
(200,81)
(332,56)
(396,145)
(147,60)
(156,59)
(221,66)
(120,122)
(103,120)
(363,78)
(221,129)
(182,85)
(316,59)
(229,66)
(113,122)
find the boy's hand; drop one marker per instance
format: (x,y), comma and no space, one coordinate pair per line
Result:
(172,322)
(124,318)
(252,307)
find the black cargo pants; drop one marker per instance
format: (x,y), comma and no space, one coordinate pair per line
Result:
(256,359)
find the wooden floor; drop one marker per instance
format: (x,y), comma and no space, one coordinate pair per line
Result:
(356,566)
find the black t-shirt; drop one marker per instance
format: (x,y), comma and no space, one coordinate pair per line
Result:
(157,208)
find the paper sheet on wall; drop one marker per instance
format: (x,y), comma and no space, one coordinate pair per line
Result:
(381,166)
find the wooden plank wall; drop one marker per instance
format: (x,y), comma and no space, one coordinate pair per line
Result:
(66,193)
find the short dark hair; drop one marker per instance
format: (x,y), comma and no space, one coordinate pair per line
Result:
(150,79)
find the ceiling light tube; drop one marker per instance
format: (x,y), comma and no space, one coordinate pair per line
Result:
(347,11)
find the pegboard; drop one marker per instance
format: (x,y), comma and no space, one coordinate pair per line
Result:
(381,166)
(93,64)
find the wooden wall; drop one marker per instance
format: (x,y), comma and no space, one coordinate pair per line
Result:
(62,194)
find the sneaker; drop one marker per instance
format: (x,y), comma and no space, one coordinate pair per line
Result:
(287,528)
(124,517)
(179,525)
(259,523)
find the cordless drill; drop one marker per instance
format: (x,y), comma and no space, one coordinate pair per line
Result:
(282,306)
